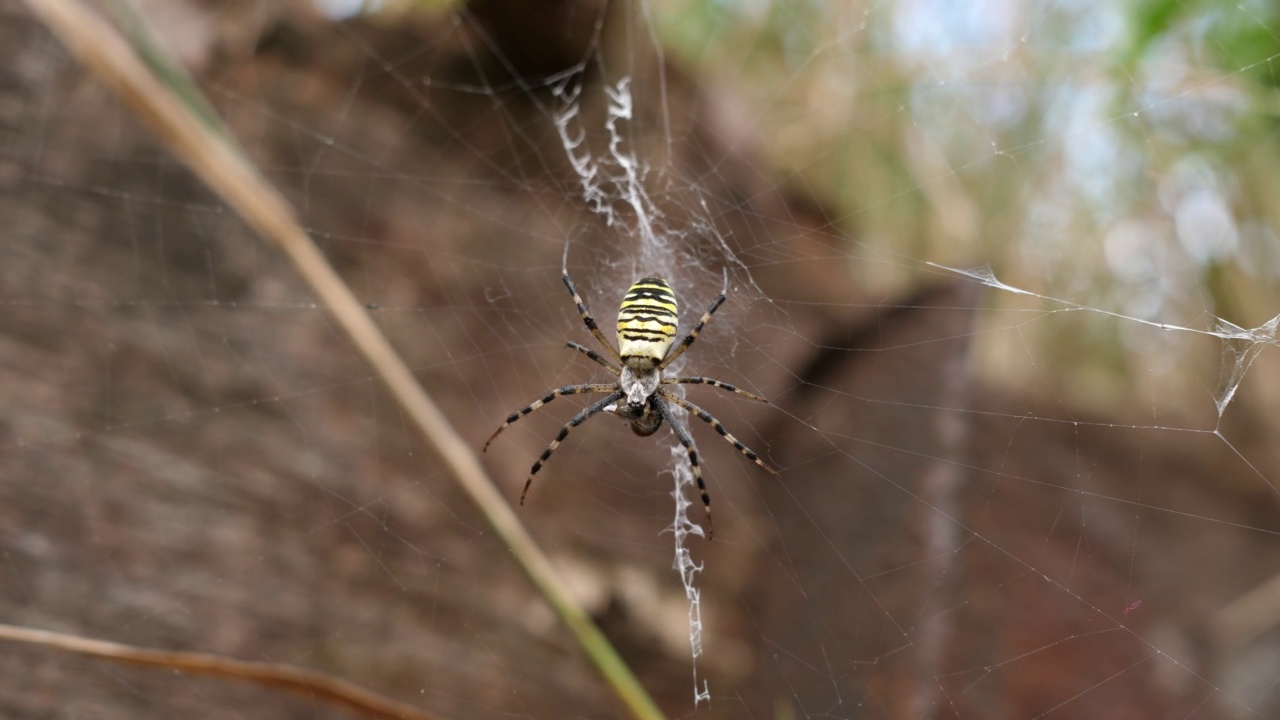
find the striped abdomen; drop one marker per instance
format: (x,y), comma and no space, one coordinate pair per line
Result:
(647,323)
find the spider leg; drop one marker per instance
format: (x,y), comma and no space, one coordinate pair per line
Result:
(574,422)
(713,383)
(682,434)
(586,316)
(693,334)
(710,419)
(594,356)
(566,390)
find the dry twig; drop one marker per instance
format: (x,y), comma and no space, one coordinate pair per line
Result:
(309,682)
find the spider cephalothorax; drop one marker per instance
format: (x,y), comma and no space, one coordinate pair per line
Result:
(647,322)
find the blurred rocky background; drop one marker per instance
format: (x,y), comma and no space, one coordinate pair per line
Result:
(990,506)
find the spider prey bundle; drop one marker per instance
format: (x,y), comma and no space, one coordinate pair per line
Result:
(647,324)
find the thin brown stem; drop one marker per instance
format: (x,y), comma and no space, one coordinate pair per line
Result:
(309,682)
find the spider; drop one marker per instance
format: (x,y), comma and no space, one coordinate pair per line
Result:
(647,323)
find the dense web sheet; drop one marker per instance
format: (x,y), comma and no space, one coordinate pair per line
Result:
(1007,274)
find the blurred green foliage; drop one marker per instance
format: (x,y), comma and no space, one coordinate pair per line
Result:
(1118,156)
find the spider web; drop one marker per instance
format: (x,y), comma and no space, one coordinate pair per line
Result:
(1006,273)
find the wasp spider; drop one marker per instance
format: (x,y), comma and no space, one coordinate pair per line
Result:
(647,324)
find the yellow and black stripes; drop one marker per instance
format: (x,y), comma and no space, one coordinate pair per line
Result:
(574,422)
(647,323)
